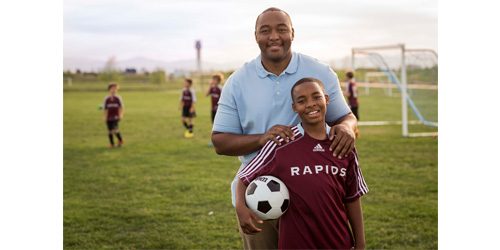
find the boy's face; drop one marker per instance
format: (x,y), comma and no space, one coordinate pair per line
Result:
(214,82)
(112,90)
(186,84)
(274,35)
(309,102)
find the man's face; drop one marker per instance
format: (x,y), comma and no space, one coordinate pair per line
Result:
(274,34)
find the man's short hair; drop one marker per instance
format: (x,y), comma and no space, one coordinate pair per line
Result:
(189,80)
(273,9)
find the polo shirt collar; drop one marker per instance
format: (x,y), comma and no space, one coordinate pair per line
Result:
(290,69)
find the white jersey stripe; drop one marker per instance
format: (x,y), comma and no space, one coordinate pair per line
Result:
(359,175)
(263,157)
(259,159)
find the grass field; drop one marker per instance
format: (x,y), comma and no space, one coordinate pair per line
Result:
(156,191)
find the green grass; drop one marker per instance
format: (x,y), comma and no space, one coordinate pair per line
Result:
(156,191)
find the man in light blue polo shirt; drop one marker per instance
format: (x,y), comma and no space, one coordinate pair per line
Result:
(255,105)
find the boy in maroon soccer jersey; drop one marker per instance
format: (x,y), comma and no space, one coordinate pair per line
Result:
(214,91)
(113,113)
(187,101)
(351,92)
(324,190)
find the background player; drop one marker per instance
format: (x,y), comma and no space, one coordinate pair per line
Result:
(351,92)
(214,91)
(113,113)
(324,190)
(188,101)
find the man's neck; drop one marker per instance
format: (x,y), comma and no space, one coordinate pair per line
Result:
(276,67)
(316,131)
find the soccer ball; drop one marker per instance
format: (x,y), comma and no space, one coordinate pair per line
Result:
(267,196)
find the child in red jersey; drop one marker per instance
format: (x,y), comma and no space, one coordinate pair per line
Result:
(214,91)
(188,101)
(351,92)
(324,190)
(113,113)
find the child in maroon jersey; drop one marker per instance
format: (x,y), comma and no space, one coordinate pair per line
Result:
(214,91)
(113,113)
(324,190)
(351,92)
(187,102)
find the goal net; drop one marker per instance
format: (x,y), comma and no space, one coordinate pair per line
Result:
(397,86)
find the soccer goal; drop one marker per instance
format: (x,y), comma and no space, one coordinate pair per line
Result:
(396,78)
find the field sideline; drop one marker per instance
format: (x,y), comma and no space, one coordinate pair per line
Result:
(156,192)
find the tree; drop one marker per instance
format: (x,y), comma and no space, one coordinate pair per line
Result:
(157,76)
(109,72)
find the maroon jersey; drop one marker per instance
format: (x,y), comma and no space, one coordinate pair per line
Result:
(319,186)
(215,94)
(113,105)
(188,97)
(353,91)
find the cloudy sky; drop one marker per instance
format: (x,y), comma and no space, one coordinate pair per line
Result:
(166,30)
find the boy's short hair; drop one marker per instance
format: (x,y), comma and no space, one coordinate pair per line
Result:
(218,76)
(189,80)
(113,84)
(307,79)
(349,74)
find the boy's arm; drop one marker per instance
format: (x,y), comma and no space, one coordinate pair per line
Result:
(245,215)
(191,110)
(120,112)
(355,216)
(180,104)
(208,90)
(104,115)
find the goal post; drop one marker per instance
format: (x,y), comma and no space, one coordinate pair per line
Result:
(393,62)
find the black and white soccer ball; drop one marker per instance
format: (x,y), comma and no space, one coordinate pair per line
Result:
(267,196)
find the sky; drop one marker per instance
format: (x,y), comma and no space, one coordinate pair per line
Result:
(166,30)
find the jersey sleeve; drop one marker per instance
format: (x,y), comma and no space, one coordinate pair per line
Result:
(337,106)
(261,164)
(105,103)
(192,95)
(120,102)
(355,185)
(227,119)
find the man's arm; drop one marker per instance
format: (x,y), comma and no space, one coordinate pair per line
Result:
(237,144)
(342,135)
(355,216)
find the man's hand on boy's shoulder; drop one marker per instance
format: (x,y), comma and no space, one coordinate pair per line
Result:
(285,131)
(343,139)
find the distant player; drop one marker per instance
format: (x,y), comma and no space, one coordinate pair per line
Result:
(351,93)
(188,101)
(214,91)
(113,113)
(324,190)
